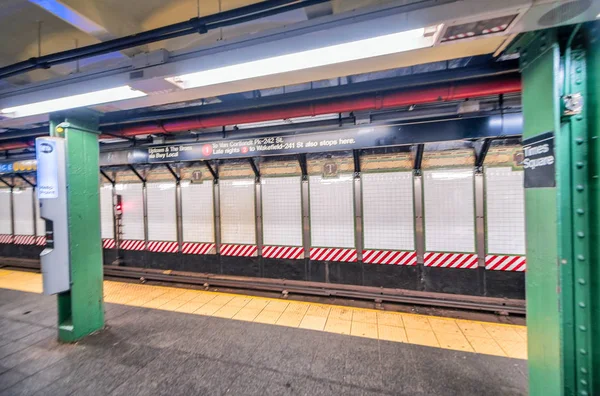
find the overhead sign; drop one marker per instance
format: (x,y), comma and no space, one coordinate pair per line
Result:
(316,142)
(539,161)
(47,171)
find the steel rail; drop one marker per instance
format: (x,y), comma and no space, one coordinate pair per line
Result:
(472,303)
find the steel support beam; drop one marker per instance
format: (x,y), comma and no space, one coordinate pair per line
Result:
(420,148)
(80,310)
(213,171)
(303,168)
(138,174)
(481,153)
(560,95)
(172,172)
(111,180)
(419,219)
(540,73)
(254,169)
(2,180)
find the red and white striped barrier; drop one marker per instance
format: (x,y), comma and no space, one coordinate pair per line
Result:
(450,260)
(6,238)
(389,257)
(283,252)
(24,239)
(108,243)
(132,244)
(238,250)
(505,263)
(163,247)
(197,248)
(41,240)
(334,254)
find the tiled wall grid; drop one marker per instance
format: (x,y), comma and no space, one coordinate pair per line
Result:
(387,201)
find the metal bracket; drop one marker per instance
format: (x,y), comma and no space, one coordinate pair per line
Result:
(481,154)
(418,159)
(303,167)
(572,104)
(139,176)
(213,171)
(175,175)
(356,156)
(25,180)
(7,183)
(103,173)
(254,169)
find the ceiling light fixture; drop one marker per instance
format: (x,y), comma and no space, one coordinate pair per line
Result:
(73,101)
(351,51)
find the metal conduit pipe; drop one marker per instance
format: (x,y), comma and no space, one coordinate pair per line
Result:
(375,101)
(192,26)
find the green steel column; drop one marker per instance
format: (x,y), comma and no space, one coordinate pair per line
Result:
(593,121)
(560,94)
(80,310)
(540,65)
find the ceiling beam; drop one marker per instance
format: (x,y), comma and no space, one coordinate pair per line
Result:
(92,18)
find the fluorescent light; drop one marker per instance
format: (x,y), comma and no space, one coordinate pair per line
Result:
(351,51)
(74,101)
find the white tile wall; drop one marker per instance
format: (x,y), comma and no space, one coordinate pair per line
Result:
(449,210)
(23,210)
(5,220)
(388,214)
(197,210)
(505,210)
(106,211)
(162,215)
(332,211)
(238,219)
(282,211)
(133,210)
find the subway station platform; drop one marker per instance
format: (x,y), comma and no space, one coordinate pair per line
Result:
(167,340)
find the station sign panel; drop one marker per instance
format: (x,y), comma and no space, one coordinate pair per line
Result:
(539,161)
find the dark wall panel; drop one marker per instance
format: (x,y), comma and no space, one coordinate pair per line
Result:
(284,269)
(453,280)
(392,276)
(505,284)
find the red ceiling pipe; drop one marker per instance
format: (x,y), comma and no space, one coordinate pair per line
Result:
(14,146)
(373,101)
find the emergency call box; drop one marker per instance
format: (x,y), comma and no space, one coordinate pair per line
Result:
(52,198)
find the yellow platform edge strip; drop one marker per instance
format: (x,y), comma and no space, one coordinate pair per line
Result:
(497,339)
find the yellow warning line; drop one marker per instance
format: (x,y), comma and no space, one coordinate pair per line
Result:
(456,334)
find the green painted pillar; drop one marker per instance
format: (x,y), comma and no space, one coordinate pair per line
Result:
(540,74)
(593,118)
(80,310)
(560,72)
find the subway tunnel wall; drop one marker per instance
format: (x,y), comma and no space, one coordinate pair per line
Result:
(449,228)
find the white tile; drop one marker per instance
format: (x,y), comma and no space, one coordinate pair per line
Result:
(162,216)
(197,211)
(238,221)
(449,210)
(505,210)
(332,211)
(388,210)
(282,211)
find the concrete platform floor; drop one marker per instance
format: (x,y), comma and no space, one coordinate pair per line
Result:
(145,351)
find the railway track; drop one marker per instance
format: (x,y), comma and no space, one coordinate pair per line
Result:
(378,295)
